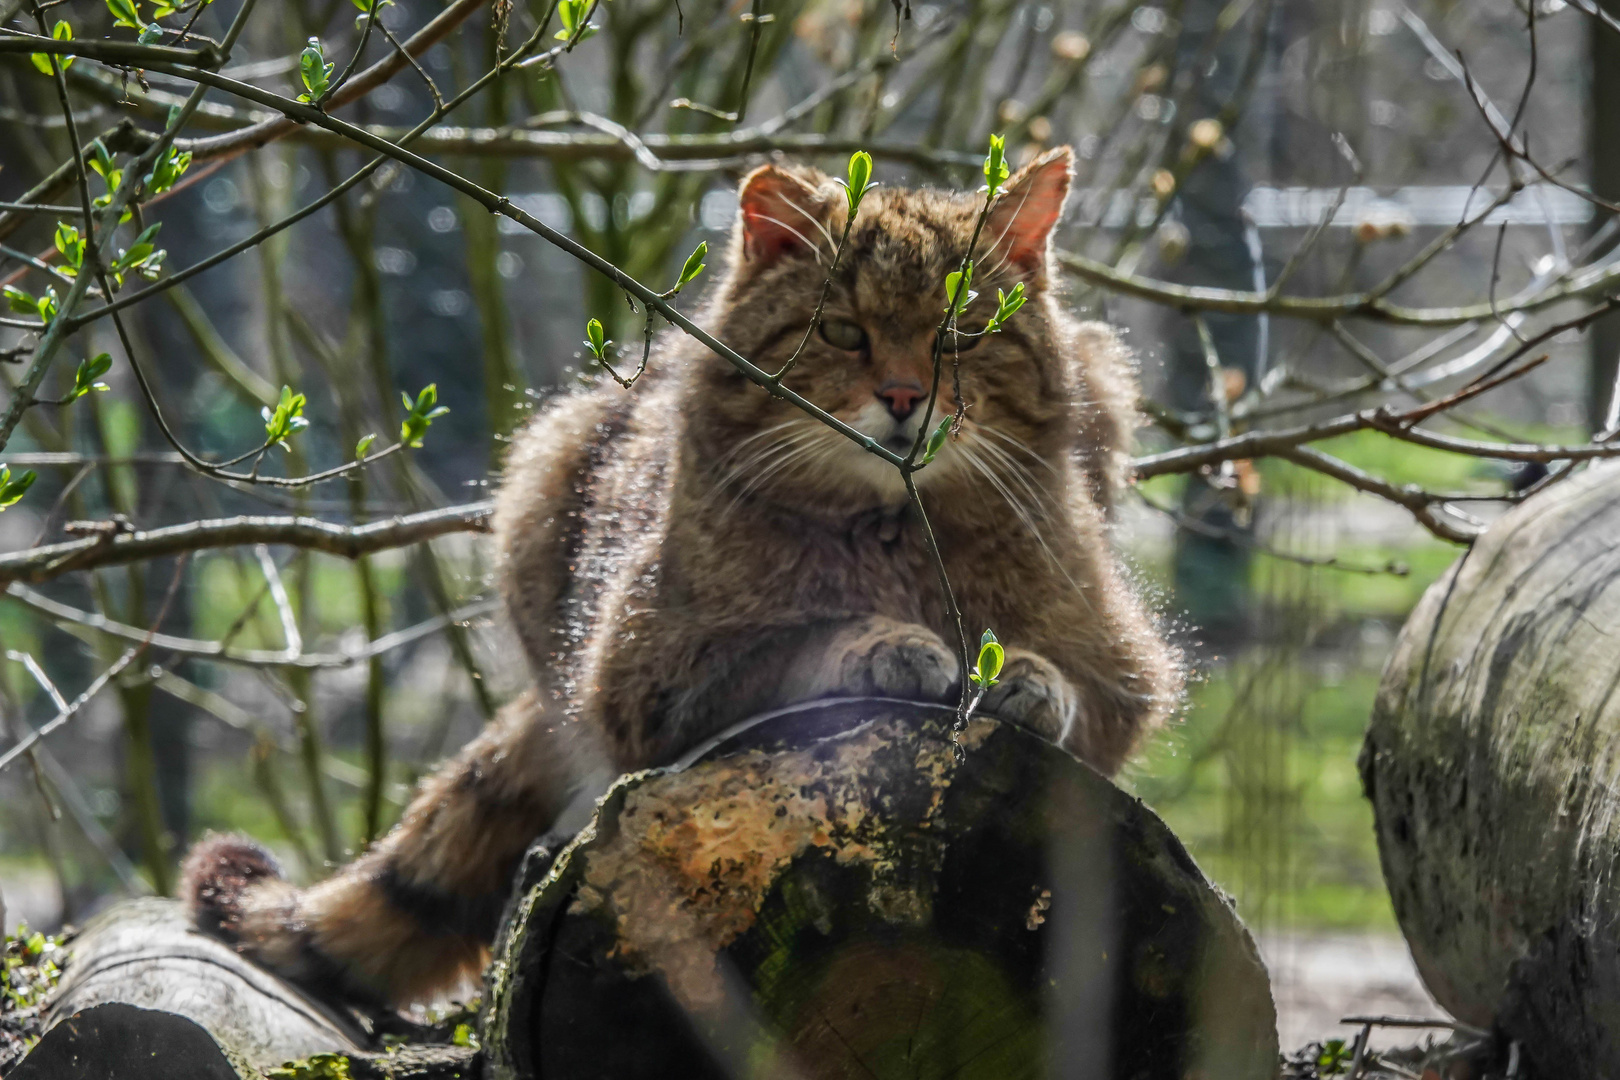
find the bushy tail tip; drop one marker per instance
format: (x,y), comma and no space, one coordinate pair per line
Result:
(215,878)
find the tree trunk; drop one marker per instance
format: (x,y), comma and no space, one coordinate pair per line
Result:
(1492,768)
(831,892)
(834,890)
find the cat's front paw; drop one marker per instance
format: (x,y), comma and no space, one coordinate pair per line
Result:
(1032,693)
(886,658)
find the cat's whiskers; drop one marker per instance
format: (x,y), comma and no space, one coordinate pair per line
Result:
(968,449)
(815,249)
(798,432)
(1010,223)
(1014,500)
(743,444)
(1016,444)
(814,220)
(1038,494)
(795,452)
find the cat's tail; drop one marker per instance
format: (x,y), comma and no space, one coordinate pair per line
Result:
(416,913)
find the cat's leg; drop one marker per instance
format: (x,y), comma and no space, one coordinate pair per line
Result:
(871,656)
(1034,694)
(1095,677)
(416,912)
(1086,666)
(667,684)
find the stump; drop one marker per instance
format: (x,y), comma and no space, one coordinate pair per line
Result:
(831,893)
(835,890)
(1493,766)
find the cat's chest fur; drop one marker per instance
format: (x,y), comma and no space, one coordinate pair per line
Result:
(768,560)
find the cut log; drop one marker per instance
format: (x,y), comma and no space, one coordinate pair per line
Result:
(146,953)
(1493,766)
(835,891)
(144,995)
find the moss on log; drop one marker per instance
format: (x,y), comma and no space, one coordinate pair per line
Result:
(1493,766)
(834,892)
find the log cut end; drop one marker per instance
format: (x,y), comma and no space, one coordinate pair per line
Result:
(836,892)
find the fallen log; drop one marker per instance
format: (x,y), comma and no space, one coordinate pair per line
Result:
(146,953)
(144,996)
(838,892)
(1493,766)
(835,890)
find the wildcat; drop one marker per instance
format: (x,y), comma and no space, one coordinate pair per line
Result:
(693,551)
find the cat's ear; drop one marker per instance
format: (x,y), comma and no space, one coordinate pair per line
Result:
(1021,222)
(783,213)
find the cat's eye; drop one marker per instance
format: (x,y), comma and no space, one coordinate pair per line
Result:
(956,342)
(842,334)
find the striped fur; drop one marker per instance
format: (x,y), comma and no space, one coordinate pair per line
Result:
(687,553)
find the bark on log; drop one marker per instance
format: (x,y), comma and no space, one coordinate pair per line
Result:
(146,953)
(1493,767)
(832,893)
(143,995)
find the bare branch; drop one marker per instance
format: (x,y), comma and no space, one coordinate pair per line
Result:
(350,541)
(223,652)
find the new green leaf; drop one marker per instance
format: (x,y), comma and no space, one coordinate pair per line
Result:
(995,164)
(596,339)
(991,657)
(169,168)
(1007,303)
(85,378)
(959,290)
(694,266)
(572,14)
(126,13)
(71,245)
(420,415)
(314,70)
(363,446)
(859,181)
(285,420)
(20,301)
(10,492)
(100,160)
(1334,1057)
(62,31)
(369,9)
(936,441)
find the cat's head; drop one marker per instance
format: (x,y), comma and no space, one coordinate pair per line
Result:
(870,360)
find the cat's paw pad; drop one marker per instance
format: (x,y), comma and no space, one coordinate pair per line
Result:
(897,660)
(1032,693)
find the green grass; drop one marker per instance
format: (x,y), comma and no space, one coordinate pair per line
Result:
(1270,805)
(1262,786)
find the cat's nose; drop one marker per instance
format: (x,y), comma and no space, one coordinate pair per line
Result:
(901,398)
